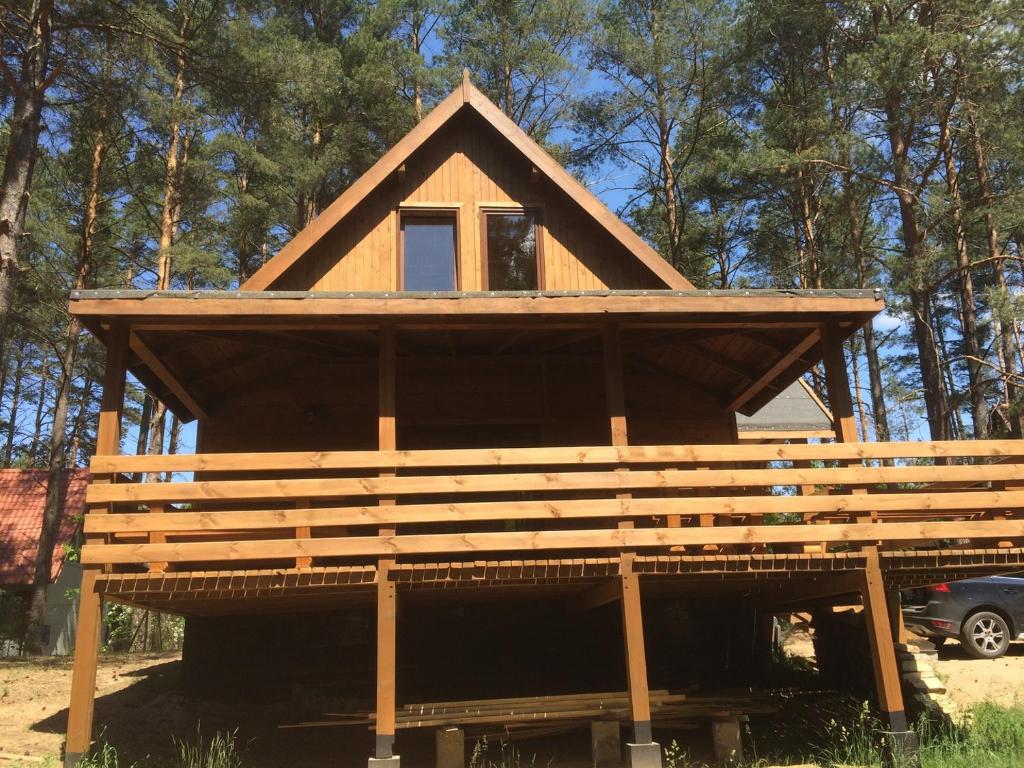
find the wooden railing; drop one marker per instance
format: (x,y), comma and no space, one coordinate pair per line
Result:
(291,507)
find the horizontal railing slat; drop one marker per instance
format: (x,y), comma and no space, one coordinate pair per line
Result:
(931,503)
(668,454)
(241,490)
(412,544)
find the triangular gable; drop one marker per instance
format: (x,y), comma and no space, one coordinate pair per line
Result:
(465,97)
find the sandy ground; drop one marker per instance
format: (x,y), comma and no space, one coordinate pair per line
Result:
(968,681)
(34,697)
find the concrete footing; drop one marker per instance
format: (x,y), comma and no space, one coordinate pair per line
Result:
(450,748)
(727,737)
(72,759)
(643,755)
(605,743)
(902,749)
(384,762)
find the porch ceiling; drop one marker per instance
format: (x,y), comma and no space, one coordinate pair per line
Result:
(192,349)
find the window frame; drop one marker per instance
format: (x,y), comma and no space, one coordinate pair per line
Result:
(435,213)
(538,235)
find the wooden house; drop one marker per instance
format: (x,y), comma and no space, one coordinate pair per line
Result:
(467,383)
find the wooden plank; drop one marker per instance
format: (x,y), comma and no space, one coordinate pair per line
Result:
(240,490)
(379,546)
(576,455)
(774,371)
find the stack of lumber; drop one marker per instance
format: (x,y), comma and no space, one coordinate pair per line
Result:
(668,709)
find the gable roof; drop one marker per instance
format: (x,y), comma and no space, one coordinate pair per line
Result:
(22,498)
(467,96)
(795,409)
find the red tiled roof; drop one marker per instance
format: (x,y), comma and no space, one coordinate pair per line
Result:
(22,497)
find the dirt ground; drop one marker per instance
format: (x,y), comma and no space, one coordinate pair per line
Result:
(968,681)
(138,706)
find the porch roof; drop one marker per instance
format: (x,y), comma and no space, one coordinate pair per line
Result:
(748,345)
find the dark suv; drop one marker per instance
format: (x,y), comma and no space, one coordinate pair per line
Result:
(983,614)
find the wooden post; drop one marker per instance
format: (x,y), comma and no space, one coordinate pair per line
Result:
(876,610)
(902,741)
(643,752)
(90,608)
(387,607)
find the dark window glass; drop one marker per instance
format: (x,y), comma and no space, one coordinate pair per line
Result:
(428,253)
(511,252)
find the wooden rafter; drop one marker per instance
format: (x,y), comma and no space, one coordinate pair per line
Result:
(777,369)
(169,380)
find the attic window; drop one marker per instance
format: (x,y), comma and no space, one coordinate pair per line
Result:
(511,251)
(428,252)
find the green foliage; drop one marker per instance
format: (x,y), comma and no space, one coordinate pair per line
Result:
(220,751)
(507,755)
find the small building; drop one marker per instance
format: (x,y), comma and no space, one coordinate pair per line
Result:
(22,499)
(469,396)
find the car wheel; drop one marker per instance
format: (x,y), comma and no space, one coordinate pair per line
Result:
(985,635)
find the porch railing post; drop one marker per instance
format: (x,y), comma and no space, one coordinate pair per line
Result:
(387,599)
(643,752)
(90,607)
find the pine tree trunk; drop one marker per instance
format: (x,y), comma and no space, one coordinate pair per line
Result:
(935,400)
(968,312)
(12,424)
(78,427)
(1003,330)
(56,475)
(37,430)
(22,142)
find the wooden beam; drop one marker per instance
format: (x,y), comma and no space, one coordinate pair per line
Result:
(603,539)
(571,455)
(793,310)
(243,490)
(151,361)
(838,383)
(90,607)
(595,597)
(777,369)
(958,503)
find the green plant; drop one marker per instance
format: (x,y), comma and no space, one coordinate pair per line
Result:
(104,757)
(221,751)
(507,756)
(675,756)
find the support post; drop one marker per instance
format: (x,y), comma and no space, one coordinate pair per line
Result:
(642,752)
(387,602)
(90,607)
(902,741)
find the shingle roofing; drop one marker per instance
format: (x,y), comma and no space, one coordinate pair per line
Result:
(22,497)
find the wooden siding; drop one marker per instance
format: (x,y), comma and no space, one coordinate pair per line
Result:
(467,166)
(451,402)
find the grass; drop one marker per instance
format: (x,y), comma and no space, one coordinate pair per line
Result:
(993,737)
